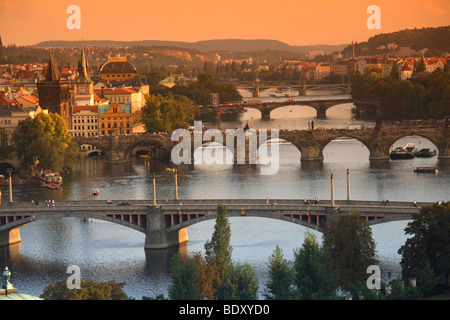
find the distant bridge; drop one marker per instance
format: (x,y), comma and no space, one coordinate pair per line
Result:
(255,87)
(320,105)
(165,223)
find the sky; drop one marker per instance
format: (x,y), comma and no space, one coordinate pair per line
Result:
(295,22)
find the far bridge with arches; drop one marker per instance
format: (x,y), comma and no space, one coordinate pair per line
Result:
(255,87)
(165,223)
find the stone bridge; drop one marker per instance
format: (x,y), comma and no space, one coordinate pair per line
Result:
(310,143)
(321,106)
(255,87)
(165,224)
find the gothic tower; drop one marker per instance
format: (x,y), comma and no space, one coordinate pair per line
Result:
(54,92)
(83,85)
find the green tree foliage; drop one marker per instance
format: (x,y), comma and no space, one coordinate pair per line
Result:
(313,274)
(426,96)
(43,142)
(184,279)
(199,90)
(428,282)
(429,242)
(352,248)
(218,252)
(89,290)
(403,290)
(166,114)
(279,285)
(244,282)
(359,291)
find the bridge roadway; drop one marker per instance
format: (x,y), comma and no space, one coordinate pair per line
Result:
(166,223)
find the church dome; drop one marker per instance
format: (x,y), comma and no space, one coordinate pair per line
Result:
(117,65)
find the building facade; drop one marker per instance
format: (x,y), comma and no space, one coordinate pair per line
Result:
(131,96)
(84,121)
(115,119)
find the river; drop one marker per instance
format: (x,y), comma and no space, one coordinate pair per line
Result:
(106,251)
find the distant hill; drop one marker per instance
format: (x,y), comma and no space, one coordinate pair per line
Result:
(205,46)
(436,39)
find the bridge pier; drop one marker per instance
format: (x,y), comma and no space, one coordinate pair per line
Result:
(8,237)
(156,236)
(265,112)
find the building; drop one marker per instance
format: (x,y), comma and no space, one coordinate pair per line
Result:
(115,119)
(117,69)
(131,96)
(53,92)
(84,121)
(406,71)
(10,117)
(174,79)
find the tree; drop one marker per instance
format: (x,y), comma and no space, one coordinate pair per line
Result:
(43,142)
(352,248)
(401,290)
(166,114)
(244,282)
(428,282)
(184,279)
(279,286)
(89,290)
(429,242)
(313,275)
(218,252)
(206,277)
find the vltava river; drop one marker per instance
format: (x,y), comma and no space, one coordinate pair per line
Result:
(106,251)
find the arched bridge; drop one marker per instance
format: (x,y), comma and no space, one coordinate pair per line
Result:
(255,87)
(164,224)
(320,105)
(310,143)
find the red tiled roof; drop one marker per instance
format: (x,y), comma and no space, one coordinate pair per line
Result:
(115,91)
(77,109)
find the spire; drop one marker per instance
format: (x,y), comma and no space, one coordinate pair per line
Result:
(83,69)
(52,70)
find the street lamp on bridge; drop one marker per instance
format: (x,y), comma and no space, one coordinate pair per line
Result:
(175,172)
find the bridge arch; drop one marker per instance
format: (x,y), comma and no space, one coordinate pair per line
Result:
(155,146)
(310,111)
(339,105)
(344,138)
(4,166)
(27,220)
(305,223)
(417,140)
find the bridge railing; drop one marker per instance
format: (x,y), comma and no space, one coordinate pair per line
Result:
(431,123)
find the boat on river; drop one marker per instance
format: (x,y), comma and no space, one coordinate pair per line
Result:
(426,170)
(51,180)
(406,152)
(425,153)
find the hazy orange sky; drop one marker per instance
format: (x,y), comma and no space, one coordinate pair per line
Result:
(296,22)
